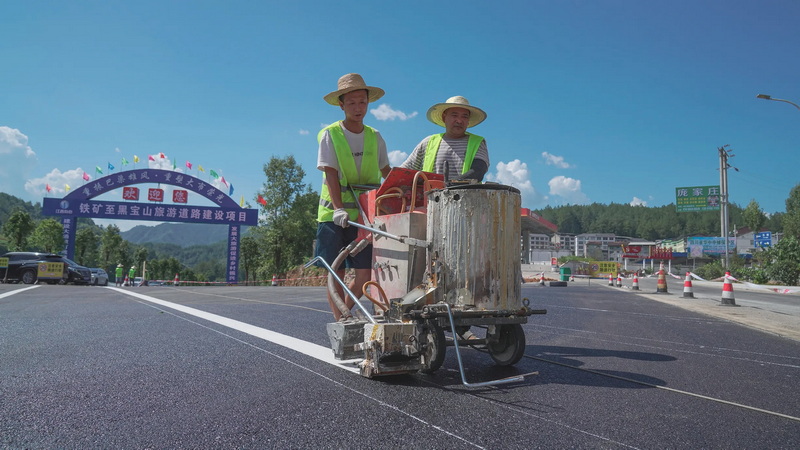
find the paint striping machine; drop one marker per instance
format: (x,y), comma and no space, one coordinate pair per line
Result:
(446,258)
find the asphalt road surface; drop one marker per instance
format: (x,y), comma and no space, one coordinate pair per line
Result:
(240,367)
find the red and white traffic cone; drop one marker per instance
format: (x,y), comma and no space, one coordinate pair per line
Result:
(125,282)
(661,284)
(541,279)
(274,280)
(635,285)
(610,279)
(619,280)
(572,278)
(687,286)
(176,281)
(727,291)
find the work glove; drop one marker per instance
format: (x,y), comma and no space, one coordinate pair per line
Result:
(340,217)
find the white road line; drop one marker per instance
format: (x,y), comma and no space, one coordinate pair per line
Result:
(16,291)
(324,354)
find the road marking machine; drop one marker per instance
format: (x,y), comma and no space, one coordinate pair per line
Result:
(446,258)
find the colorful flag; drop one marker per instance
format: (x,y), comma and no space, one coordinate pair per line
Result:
(241,202)
(47,187)
(67,188)
(223,181)
(125,162)
(150,158)
(189,165)
(85,176)
(213,174)
(261,200)
(230,191)
(161,155)
(110,166)
(135,159)
(98,170)
(200,168)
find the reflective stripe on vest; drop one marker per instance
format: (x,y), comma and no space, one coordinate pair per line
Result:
(432,149)
(348,173)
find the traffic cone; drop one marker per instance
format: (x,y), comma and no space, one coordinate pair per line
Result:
(727,292)
(610,279)
(572,278)
(125,282)
(176,281)
(274,280)
(541,280)
(635,285)
(661,284)
(619,280)
(687,287)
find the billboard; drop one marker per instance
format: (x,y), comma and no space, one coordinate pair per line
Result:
(697,198)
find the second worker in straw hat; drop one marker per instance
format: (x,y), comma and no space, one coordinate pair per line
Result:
(465,153)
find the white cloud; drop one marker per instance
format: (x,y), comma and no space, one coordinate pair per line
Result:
(397,157)
(385,112)
(17,159)
(514,173)
(638,202)
(553,160)
(57,181)
(568,188)
(304,132)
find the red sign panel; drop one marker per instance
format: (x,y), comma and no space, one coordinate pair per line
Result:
(180,196)
(633,251)
(155,195)
(130,193)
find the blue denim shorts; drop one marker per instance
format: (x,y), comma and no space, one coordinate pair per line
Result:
(332,238)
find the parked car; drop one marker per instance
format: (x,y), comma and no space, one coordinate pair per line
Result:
(99,277)
(24,267)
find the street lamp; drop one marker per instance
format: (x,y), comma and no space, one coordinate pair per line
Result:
(767,97)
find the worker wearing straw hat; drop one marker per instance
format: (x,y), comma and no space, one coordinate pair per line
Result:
(350,153)
(465,153)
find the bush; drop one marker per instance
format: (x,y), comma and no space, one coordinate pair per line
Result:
(711,270)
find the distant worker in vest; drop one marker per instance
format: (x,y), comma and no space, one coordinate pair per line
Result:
(350,153)
(132,275)
(119,275)
(466,154)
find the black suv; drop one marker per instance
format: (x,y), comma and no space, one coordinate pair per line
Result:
(23,266)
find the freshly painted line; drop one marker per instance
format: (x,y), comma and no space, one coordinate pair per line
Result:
(16,291)
(319,352)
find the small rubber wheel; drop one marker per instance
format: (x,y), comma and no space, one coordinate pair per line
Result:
(509,346)
(435,347)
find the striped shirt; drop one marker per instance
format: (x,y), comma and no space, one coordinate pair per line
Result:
(450,150)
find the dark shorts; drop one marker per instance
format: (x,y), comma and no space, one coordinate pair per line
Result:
(332,238)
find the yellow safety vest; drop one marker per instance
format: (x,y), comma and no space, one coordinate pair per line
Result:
(433,148)
(348,173)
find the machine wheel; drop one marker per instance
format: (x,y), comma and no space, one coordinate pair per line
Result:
(28,277)
(509,346)
(436,346)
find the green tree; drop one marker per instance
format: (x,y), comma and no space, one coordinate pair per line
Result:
(289,216)
(754,218)
(791,221)
(139,257)
(17,230)
(250,254)
(86,247)
(49,236)
(783,261)
(111,248)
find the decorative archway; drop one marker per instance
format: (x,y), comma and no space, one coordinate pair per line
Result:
(79,203)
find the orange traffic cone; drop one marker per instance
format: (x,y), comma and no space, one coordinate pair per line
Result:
(619,280)
(572,278)
(274,280)
(176,281)
(125,282)
(727,292)
(687,286)
(661,284)
(635,285)
(610,279)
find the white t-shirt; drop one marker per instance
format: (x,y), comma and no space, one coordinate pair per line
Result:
(451,150)
(327,154)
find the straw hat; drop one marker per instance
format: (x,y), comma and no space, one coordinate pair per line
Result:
(352,82)
(119,265)
(476,115)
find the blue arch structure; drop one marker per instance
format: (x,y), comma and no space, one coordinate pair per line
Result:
(79,203)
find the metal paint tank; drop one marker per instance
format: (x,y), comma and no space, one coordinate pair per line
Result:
(474,231)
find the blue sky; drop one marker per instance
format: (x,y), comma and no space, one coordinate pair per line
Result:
(587,101)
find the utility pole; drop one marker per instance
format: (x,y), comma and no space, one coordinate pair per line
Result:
(724,154)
